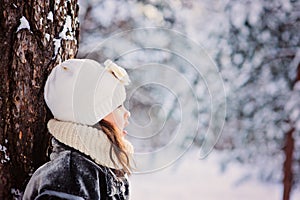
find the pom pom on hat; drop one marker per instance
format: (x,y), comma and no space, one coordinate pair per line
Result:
(83,91)
(117,71)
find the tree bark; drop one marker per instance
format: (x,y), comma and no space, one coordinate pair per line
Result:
(288,163)
(289,148)
(27,56)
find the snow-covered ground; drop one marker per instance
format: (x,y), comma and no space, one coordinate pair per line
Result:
(191,178)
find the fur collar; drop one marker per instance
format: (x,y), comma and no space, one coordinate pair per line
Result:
(88,140)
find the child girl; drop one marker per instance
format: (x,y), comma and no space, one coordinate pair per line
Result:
(90,157)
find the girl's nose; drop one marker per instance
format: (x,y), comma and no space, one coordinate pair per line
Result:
(127,114)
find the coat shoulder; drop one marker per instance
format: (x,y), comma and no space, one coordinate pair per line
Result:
(69,173)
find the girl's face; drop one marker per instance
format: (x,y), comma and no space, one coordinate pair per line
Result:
(119,119)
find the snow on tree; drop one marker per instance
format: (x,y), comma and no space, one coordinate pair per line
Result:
(256,46)
(263,74)
(175,81)
(34,37)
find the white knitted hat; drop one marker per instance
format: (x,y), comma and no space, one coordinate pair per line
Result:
(83,91)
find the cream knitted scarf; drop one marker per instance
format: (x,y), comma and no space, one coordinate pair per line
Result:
(88,140)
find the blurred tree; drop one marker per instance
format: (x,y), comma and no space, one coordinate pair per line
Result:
(156,112)
(263,125)
(34,37)
(99,21)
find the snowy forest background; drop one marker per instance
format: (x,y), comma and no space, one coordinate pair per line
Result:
(205,74)
(214,98)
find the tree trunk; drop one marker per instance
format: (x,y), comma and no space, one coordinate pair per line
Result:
(288,163)
(289,148)
(27,55)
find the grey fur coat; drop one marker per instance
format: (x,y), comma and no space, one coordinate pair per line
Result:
(71,174)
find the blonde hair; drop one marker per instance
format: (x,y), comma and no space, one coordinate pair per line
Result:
(118,146)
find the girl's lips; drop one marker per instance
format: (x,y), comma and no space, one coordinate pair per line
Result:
(124,132)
